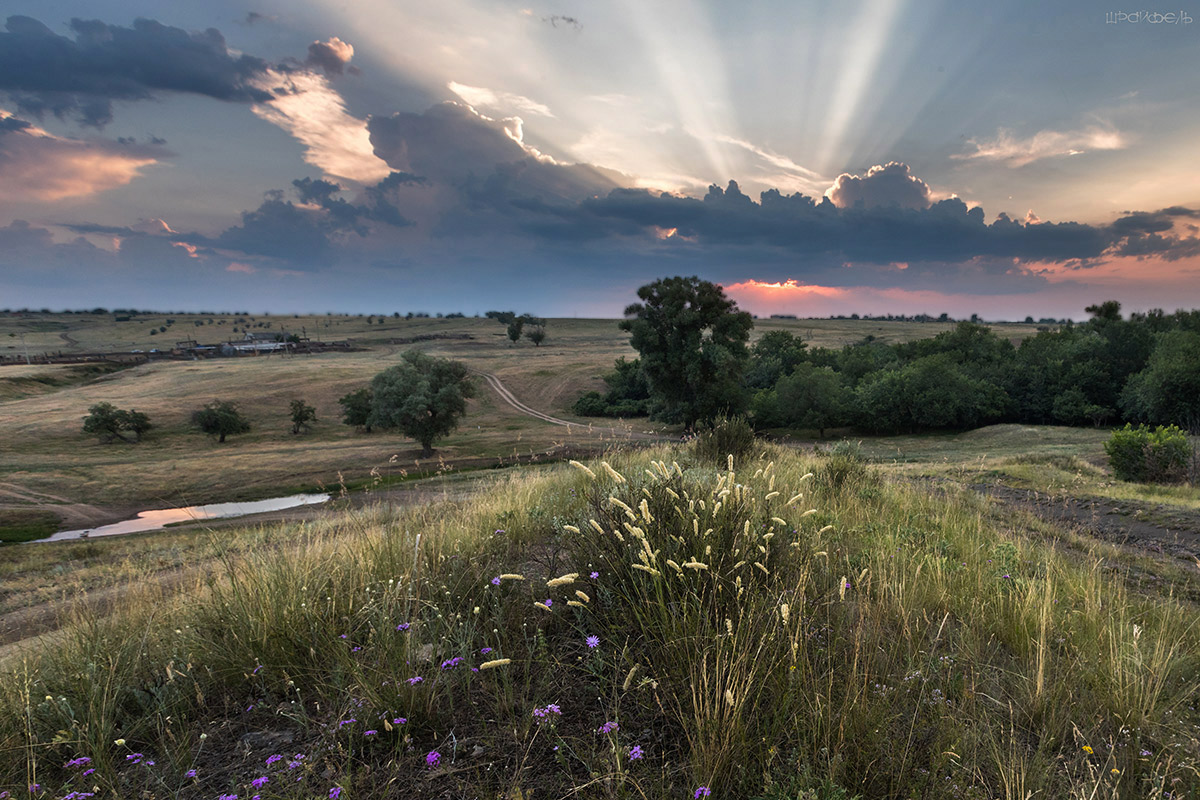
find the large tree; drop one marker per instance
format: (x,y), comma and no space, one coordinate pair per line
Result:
(692,341)
(423,397)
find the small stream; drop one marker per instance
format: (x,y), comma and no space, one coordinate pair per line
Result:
(159,518)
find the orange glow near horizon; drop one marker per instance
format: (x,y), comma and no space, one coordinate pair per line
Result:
(1138,285)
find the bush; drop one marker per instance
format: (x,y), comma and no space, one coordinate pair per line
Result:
(845,467)
(1161,455)
(725,437)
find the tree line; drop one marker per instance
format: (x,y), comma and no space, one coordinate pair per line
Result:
(422,397)
(695,363)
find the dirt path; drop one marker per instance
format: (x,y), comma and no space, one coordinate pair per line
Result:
(508,397)
(1158,528)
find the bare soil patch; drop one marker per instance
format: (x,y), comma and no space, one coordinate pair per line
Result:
(1158,528)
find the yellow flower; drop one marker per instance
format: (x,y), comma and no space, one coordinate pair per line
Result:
(1087,748)
(1116,771)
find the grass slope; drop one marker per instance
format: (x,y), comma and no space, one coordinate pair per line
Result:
(660,628)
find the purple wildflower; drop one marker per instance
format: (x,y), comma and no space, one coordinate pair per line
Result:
(78,762)
(593,642)
(370,733)
(273,759)
(345,722)
(635,753)
(415,680)
(227,797)
(496,581)
(259,782)
(594,575)
(499,530)
(608,727)
(703,791)
(451,663)
(335,793)
(549,602)
(433,758)
(85,773)
(403,626)
(484,651)
(256,669)
(355,649)
(191,773)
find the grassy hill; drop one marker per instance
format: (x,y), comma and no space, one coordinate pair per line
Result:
(788,626)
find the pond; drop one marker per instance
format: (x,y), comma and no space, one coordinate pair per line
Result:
(161,517)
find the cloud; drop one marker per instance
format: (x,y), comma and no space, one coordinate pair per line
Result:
(36,165)
(479,97)
(453,145)
(889,185)
(315,114)
(1016,152)
(331,56)
(253,17)
(81,77)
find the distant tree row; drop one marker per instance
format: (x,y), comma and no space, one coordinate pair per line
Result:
(694,364)
(219,418)
(533,328)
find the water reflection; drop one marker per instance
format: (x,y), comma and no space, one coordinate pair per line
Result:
(158,518)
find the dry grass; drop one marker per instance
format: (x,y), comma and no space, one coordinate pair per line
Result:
(923,653)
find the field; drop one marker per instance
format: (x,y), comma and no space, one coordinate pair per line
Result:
(50,466)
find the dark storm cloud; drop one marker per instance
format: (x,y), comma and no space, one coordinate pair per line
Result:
(453,145)
(44,72)
(305,235)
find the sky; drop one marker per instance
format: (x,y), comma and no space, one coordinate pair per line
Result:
(814,158)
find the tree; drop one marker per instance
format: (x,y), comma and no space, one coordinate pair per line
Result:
(537,331)
(109,422)
(422,396)
(774,355)
(811,397)
(302,414)
(220,418)
(515,327)
(137,422)
(692,341)
(1167,391)
(356,408)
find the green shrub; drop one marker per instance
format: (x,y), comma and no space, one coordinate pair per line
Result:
(725,437)
(845,467)
(1161,455)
